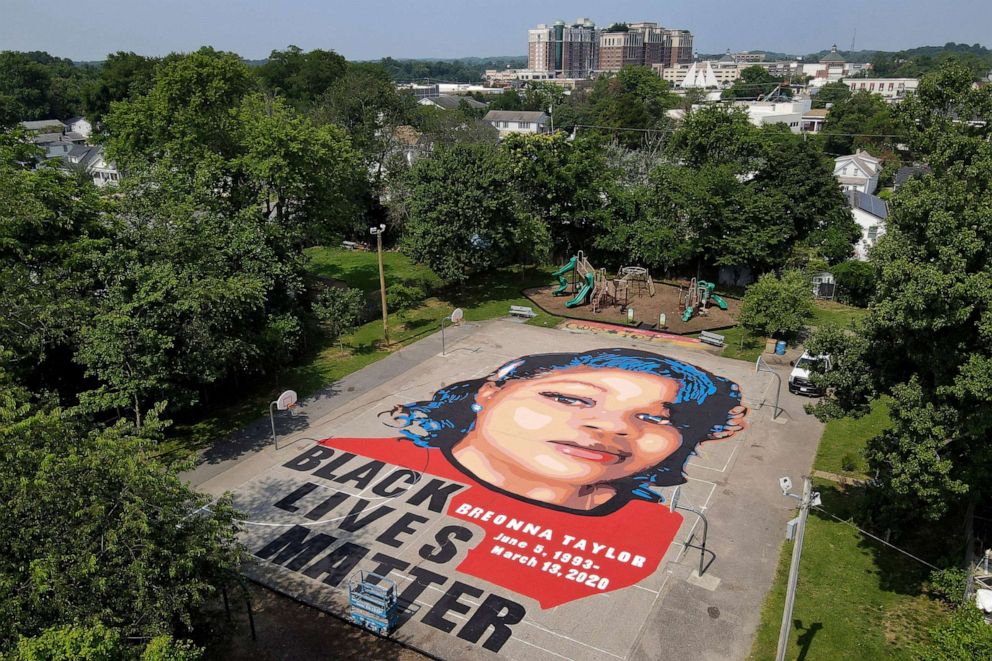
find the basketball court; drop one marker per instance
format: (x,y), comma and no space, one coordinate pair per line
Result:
(481,570)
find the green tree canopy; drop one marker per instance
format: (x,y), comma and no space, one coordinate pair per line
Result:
(831,94)
(98,531)
(302,77)
(466,216)
(778,307)
(929,330)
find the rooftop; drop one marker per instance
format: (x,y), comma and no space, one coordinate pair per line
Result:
(515,116)
(872,204)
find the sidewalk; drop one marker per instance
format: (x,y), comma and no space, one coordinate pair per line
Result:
(256,438)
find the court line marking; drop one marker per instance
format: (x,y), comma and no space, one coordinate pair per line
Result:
(577,642)
(726,465)
(543,649)
(637,638)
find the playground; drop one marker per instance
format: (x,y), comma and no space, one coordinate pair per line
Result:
(432,472)
(584,292)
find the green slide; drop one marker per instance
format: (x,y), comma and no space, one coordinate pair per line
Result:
(687,314)
(720,303)
(560,274)
(583,294)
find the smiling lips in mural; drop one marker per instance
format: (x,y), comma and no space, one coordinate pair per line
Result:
(560,453)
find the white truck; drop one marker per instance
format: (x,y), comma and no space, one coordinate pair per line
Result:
(799,383)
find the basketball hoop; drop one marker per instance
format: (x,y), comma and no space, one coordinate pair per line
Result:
(285,402)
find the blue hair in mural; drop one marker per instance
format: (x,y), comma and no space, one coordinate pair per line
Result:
(705,406)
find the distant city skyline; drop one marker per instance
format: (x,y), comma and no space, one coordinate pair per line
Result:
(444,29)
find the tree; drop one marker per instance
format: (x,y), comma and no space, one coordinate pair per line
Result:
(24,89)
(716,135)
(862,121)
(562,181)
(301,77)
(633,98)
(754,82)
(97,531)
(467,217)
(777,307)
(927,335)
(51,235)
(507,100)
(99,643)
(831,94)
(122,75)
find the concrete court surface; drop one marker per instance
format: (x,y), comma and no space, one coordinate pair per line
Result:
(318,521)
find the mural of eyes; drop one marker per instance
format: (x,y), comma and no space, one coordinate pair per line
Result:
(569,400)
(653,419)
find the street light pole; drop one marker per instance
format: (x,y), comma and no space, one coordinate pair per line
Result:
(808,499)
(382,281)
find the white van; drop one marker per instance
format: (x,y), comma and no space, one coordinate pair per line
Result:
(799,383)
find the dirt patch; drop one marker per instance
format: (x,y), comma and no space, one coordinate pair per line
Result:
(288,630)
(646,310)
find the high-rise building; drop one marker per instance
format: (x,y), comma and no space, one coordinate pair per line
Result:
(567,50)
(579,49)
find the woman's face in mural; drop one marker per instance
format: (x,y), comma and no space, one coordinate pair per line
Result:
(578,426)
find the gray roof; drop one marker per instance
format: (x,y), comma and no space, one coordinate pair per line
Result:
(42,124)
(908,172)
(453,102)
(48,138)
(515,116)
(872,204)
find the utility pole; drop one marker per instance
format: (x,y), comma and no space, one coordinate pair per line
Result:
(807,500)
(377,232)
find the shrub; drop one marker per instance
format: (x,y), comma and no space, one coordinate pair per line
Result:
(339,310)
(963,637)
(778,307)
(856,281)
(849,463)
(947,584)
(403,297)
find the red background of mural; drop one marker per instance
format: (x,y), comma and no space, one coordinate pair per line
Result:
(639,528)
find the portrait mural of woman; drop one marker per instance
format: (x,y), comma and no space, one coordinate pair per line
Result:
(562,454)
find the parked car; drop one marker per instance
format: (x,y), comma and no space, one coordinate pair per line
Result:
(799,383)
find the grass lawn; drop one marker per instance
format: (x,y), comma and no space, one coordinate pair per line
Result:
(360,268)
(856,598)
(847,438)
(741,345)
(831,312)
(325,364)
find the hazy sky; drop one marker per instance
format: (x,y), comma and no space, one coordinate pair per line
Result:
(370,29)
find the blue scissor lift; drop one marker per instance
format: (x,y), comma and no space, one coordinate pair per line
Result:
(373,602)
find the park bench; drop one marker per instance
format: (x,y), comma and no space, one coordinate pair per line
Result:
(522,311)
(349,245)
(712,338)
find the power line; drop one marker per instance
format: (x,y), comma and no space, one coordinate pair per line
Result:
(878,539)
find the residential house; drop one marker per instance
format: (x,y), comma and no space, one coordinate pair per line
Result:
(870,213)
(446,102)
(56,145)
(43,126)
(79,125)
(858,171)
(813,120)
(907,172)
(92,160)
(518,121)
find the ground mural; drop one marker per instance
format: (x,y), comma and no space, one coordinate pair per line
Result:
(540,479)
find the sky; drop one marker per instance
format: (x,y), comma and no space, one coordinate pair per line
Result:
(371,29)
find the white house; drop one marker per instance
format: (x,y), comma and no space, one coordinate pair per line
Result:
(518,121)
(79,125)
(858,171)
(56,145)
(870,213)
(92,160)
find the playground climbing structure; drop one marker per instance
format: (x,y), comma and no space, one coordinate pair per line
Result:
(595,287)
(698,297)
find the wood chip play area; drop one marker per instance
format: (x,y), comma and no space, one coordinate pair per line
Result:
(584,292)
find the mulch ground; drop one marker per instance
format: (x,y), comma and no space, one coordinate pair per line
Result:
(646,310)
(289,631)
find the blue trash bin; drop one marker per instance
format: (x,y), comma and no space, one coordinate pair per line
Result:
(780,348)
